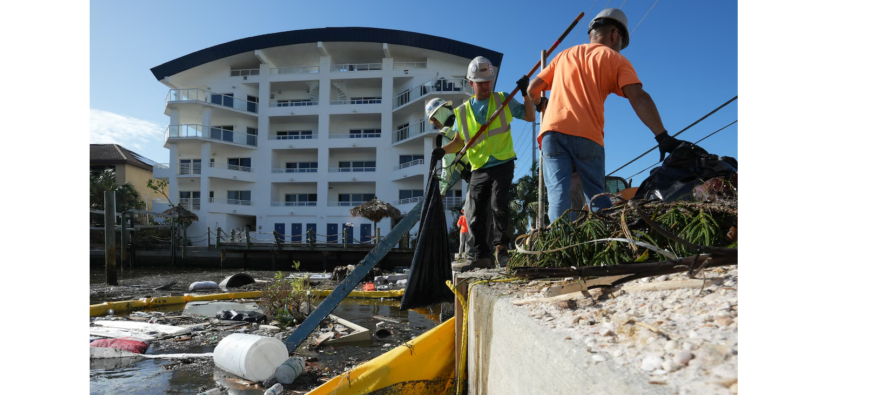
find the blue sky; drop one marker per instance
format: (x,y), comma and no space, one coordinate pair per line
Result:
(685,53)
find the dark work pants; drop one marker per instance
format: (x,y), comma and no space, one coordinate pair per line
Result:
(489,189)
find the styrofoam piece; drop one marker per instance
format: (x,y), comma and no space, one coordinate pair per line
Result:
(116,333)
(361,333)
(252,357)
(209,309)
(100,353)
(144,327)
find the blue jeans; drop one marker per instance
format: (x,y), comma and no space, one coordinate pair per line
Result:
(562,153)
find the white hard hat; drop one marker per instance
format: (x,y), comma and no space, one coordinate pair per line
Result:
(480,70)
(433,105)
(617,15)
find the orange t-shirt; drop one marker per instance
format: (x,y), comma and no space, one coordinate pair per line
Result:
(580,78)
(462,222)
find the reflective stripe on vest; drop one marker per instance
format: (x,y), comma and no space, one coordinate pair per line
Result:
(497,135)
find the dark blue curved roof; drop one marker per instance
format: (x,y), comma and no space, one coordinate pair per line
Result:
(328,34)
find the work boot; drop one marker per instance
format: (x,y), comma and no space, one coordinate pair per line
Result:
(501,255)
(472,263)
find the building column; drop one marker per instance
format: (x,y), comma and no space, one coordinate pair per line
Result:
(206,115)
(173,186)
(174,116)
(205,179)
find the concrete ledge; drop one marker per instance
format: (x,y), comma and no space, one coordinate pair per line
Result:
(511,353)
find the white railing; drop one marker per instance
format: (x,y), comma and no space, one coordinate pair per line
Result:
(345,204)
(162,165)
(189,168)
(408,65)
(354,135)
(278,203)
(243,72)
(294,103)
(431,86)
(414,162)
(205,96)
(452,201)
(239,202)
(410,200)
(353,170)
(295,137)
(276,170)
(210,133)
(210,199)
(415,129)
(356,67)
(190,204)
(375,100)
(294,70)
(231,167)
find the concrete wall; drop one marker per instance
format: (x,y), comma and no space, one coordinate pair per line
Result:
(511,353)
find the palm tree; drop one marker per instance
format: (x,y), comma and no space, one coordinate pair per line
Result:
(126,196)
(524,202)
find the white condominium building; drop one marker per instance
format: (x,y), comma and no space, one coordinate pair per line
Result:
(288,131)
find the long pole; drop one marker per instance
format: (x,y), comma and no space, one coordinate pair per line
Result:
(110,252)
(540,221)
(497,112)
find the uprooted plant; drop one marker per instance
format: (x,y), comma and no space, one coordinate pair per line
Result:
(286,299)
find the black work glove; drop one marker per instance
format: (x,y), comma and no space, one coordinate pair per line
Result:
(666,143)
(522,84)
(542,104)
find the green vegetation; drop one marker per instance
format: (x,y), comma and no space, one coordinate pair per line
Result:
(287,300)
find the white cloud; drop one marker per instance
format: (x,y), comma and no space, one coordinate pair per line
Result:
(110,128)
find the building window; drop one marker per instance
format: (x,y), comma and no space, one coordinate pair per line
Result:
(364,133)
(239,197)
(251,136)
(293,135)
(294,103)
(358,167)
(410,193)
(302,200)
(409,158)
(224,133)
(190,200)
(225,99)
(353,199)
(251,105)
(240,164)
(189,166)
(365,100)
(301,167)
(453,193)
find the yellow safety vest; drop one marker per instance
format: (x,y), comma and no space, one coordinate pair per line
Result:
(497,140)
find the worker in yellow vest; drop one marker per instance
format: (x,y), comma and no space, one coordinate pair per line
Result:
(491,157)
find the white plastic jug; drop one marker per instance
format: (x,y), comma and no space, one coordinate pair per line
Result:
(290,370)
(249,356)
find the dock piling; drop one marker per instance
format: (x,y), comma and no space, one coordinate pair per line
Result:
(110,253)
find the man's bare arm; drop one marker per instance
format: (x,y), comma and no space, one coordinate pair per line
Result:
(644,106)
(535,87)
(454,145)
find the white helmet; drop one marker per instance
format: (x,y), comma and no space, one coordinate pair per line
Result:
(433,105)
(480,70)
(614,14)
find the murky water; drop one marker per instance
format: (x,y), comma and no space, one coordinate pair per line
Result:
(150,376)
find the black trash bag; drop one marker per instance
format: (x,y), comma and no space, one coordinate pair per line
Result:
(431,265)
(242,315)
(686,167)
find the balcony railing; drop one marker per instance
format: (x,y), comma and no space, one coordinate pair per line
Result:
(162,165)
(408,164)
(356,67)
(408,65)
(278,203)
(230,167)
(189,168)
(353,170)
(244,72)
(190,204)
(375,100)
(294,103)
(346,204)
(410,200)
(452,202)
(294,137)
(276,170)
(294,70)
(236,202)
(204,96)
(432,86)
(415,129)
(354,135)
(210,133)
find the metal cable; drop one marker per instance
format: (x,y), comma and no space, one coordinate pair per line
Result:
(678,133)
(702,139)
(622,5)
(644,17)
(588,13)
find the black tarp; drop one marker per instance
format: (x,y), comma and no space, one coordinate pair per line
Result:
(686,167)
(431,265)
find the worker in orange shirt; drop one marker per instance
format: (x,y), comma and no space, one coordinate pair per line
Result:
(572,131)
(464,235)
